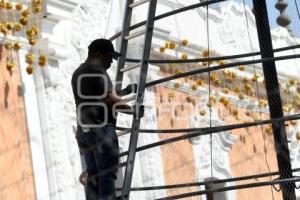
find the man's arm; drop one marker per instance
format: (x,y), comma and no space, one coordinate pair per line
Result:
(132,88)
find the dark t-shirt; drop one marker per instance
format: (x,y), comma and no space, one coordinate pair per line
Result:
(90,84)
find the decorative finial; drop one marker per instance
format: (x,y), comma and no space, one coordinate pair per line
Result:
(283,20)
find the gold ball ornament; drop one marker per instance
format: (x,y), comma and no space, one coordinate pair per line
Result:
(202,112)
(241,96)
(177,85)
(205,53)
(242,68)
(209,104)
(9,26)
(8,45)
(10,66)
(235,113)
(184,42)
(8,5)
(162,49)
(3,30)
(200,82)
(24,21)
(212,98)
(36,9)
(184,56)
(29,58)
(225,90)
(19,6)
(18,27)
(43,60)
(269,130)
(32,41)
(217,82)
(194,87)
(292,82)
(2,4)
(30,69)
(237,89)
(178,71)
(172,45)
(26,13)
(17,46)
(189,99)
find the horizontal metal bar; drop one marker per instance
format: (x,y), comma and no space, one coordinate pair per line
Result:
(213,130)
(137,3)
(180,10)
(134,35)
(183,130)
(209,59)
(174,186)
(125,69)
(228,188)
(219,67)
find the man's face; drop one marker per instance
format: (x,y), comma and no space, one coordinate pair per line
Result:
(106,60)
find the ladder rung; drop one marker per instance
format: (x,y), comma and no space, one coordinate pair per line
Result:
(125,69)
(129,98)
(136,34)
(125,132)
(137,3)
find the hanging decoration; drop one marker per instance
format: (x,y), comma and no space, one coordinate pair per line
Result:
(19,18)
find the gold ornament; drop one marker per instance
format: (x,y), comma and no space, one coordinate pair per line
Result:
(225,90)
(184,56)
(2,4)
(212,98)
(242,68)
(269,130)
(245,80)
(205,53)
(26,13)
(189,99)
(162,49)
(172,45)
(32,41)
(221,62)
(202,112)
(255,77)
(3,30)
(37,9)
(10,66)
(8,5)
(18,27)
(184,42)
(213,76)
(241,96)
(24,21)
(235,113)
(43,60)
(237,89)
(8,45)
(200,82)
(194,87)
(209,104)
(33,31)
(19,6)
(292,82)
(178,71)
(177,85)
(217,82)
(9,26)
(17,46)
(29,69)
(29,58)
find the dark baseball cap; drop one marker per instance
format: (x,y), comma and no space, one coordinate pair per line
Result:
(103,46)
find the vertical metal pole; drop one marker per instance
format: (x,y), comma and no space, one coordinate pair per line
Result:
(140,97)
(124,43)
(273,94)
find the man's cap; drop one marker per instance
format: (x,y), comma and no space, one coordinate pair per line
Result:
(103,46)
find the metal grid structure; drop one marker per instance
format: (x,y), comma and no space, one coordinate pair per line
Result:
(286,180)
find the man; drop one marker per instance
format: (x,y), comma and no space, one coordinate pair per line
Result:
(95,101)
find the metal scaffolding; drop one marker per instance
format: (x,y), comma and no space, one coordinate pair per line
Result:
(285,179)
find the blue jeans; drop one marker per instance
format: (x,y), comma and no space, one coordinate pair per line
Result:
(100,147)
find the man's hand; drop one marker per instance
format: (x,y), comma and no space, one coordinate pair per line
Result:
(131,88)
